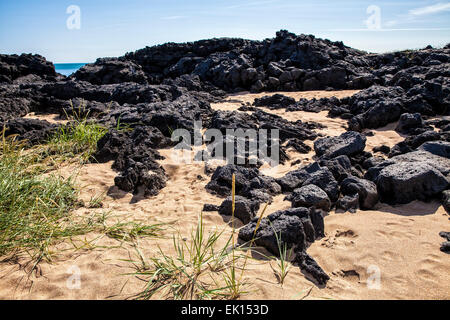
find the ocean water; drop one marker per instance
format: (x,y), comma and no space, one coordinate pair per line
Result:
(68,68)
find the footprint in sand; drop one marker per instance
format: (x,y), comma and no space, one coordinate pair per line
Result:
(340,238)
(427,275)
(430,267)
(390,256)
(347,234)
(350,275)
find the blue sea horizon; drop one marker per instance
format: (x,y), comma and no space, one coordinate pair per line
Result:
(68,68)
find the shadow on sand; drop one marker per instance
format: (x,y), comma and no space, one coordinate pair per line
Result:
(415,208)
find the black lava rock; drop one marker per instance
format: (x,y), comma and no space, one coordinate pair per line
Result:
(310,196)
(244,209)
(349,143)
(366,190)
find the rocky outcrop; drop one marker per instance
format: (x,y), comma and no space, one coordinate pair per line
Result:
(310,196)
(244,209)
(286,62)
(110,71)
(26,68)
(135,158)
(32,131)
(400,182)
(348,144)
(365,189)
(246,179)
(294,228)
(409,123)
(170,86)
(277,101)
(143,96)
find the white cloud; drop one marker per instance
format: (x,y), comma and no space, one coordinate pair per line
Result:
(413,14)
(439,7)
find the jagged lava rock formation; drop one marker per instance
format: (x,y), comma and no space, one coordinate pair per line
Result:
(156,89)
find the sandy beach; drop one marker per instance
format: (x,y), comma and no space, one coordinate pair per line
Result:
(399,243)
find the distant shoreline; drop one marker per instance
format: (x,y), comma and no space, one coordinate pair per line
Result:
(68,68)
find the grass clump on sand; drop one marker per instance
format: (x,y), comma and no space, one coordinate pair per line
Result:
(206,266)
(197,271)
(131,230)
(283,263)
(33,206)
(76,140)
(36,203)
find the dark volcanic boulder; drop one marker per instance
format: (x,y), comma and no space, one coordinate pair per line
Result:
(14,67)
(440,163)
(446,201)
(310,266)
(324,179)
(348,203)
(366,190)
(400,183)
(111,70)
(439,148)
(409,122)
(210,207)
(34,131)
(383,149)
(247,180)
(136,178)
(349,143)
(445,247)
(414,141)
(340,167)
(311,174)
(378,116)
(245,209)
(445,235)
(310,196)
(135,158)
(277,101)
(295,179)
(409,160)
(376,107)
(295,228)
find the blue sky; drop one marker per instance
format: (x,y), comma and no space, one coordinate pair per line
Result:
(114,27)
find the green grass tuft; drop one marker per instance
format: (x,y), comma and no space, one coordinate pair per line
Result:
(200,269)
(77,141)
(36,204)
(194,272)
(33,206)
